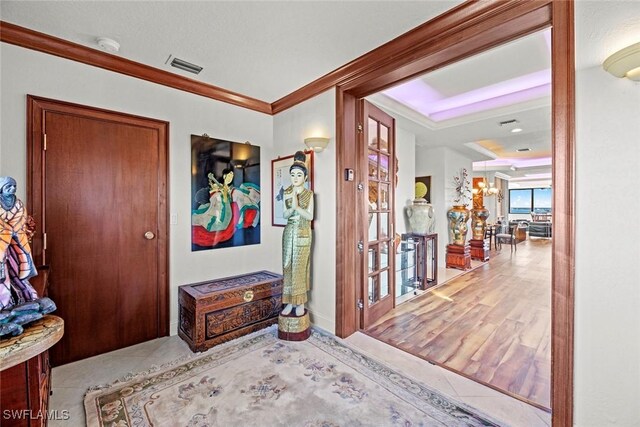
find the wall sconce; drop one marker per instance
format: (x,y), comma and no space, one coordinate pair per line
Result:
(316,144)
(625,63)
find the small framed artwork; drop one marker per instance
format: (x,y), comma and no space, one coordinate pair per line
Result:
(423,188)
(280,181)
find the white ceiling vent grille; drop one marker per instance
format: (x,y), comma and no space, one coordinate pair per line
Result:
(186,66)
(508,122)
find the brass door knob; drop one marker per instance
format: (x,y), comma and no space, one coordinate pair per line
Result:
(149,235)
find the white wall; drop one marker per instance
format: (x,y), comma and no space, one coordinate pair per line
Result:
(406,154)
(442,164)
(315,117)
(607,288)
(28,72)
(431,162)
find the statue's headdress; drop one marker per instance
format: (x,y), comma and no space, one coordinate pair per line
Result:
(4,180)
(299,162)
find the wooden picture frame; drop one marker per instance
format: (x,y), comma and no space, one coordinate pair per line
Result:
(280,180)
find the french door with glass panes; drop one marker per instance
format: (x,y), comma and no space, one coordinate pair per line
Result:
(377,157)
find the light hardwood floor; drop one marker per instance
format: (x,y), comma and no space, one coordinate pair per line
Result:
(492,325)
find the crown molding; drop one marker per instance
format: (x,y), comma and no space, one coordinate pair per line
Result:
(416,43)
(30,39)
(421,45)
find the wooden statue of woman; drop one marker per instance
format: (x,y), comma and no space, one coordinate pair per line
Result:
(296,239)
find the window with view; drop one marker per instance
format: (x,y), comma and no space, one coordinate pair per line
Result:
(520,201)
(528,200)
(542,200)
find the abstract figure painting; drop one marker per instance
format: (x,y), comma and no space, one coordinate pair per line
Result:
(281,180)
(225,193)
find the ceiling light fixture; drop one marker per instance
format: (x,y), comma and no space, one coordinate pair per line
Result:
(516,130)
(186,66)
(625,63)
(108,44)
(485,187)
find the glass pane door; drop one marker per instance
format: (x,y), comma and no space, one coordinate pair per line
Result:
(378,289)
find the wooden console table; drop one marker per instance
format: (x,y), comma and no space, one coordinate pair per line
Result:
(25,371)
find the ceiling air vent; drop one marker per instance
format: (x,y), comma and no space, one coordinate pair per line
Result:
(508,122)
(523,149)
(186,66)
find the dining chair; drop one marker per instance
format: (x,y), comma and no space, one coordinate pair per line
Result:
(507,234)
(489,233)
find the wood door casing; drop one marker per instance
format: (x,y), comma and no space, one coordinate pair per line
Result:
(96,189)
(463,31)
(377,156)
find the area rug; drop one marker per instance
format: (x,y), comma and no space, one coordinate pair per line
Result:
(259,380)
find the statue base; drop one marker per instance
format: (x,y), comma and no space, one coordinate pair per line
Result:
(479,249)
(294,328)
(459,257)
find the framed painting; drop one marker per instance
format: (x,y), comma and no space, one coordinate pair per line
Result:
(423,187)
(225,193)
(280,180)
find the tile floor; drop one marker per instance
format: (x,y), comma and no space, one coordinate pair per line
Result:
(70,382)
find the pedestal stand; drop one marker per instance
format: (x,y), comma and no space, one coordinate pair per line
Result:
(294,328)
(459,257)
(479,249)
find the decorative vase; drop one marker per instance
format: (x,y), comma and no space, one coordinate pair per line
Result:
(479,222)
(421,217)
(458,217)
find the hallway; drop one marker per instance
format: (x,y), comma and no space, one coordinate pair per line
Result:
(492,325)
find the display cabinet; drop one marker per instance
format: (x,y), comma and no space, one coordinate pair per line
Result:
(426,258)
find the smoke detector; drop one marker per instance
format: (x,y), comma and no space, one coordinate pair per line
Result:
(108,45)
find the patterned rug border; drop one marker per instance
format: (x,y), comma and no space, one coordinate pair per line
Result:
(400,384)
(157,369)
(414,391)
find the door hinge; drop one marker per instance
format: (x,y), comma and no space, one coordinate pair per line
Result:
(360,246)
(360,186)
(44,142)
(44,241)
(360,305)
(360,128)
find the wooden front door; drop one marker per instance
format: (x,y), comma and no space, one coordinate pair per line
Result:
(377,157)
(98,193)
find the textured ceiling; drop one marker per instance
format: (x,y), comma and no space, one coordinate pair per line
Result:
(613,24)
(265,50)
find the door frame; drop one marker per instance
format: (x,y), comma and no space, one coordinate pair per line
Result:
(36,109)
(466,30)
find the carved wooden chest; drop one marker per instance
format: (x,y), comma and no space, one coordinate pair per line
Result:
(223,309)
